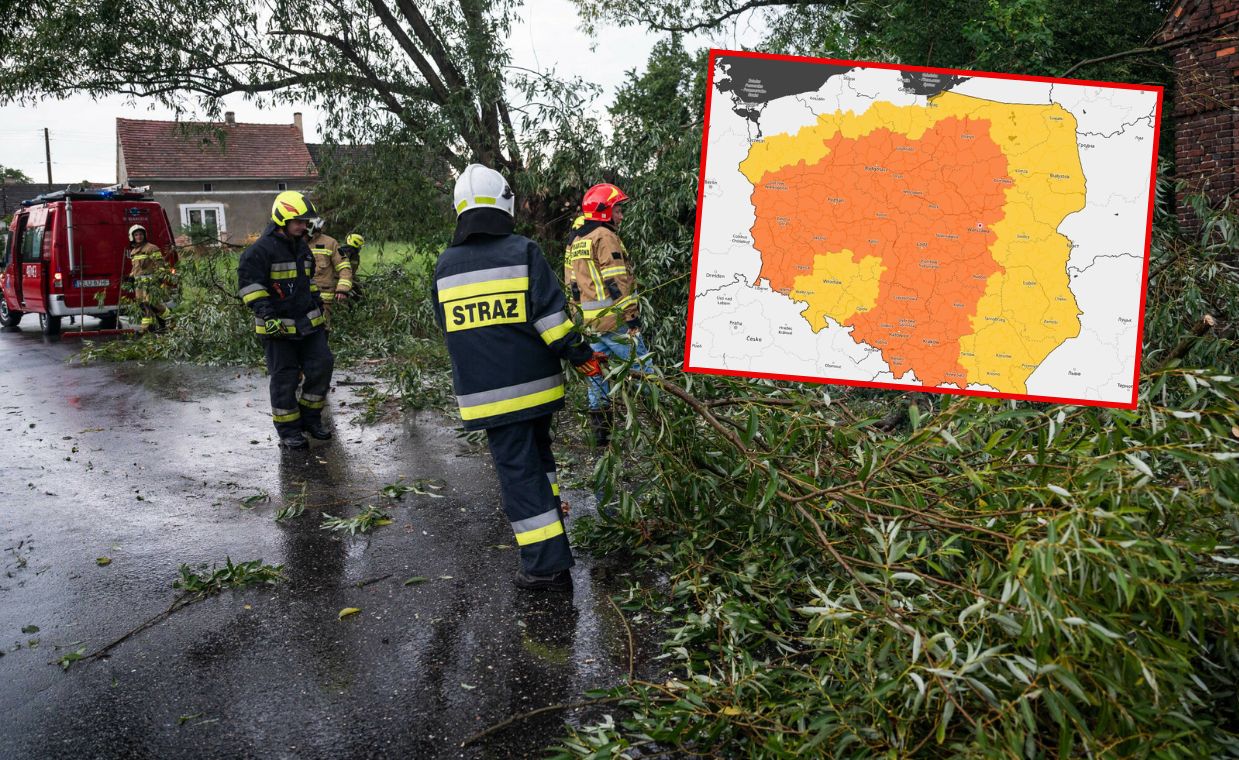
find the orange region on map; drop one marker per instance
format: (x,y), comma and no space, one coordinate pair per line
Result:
(930,231)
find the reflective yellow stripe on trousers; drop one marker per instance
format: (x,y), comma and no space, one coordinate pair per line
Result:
(513,398)
(531,530)
(285,415)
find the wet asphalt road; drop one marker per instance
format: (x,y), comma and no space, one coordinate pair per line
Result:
(149,466)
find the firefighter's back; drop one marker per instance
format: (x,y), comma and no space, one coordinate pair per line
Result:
(502,369)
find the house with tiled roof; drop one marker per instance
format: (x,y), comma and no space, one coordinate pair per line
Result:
(220,176)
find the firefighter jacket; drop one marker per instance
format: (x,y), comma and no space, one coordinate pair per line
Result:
(333,272)
(275,279)
(597,275)
(353,255)
(503,316)
(144,260)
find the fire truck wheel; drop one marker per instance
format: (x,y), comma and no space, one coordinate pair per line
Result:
(108,321)
(8,317)
(49,324)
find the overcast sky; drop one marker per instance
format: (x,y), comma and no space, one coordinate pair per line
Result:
(83,131)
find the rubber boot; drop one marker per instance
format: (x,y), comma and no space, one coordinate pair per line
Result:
(600,427)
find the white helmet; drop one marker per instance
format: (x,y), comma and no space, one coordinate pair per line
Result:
(315,226)
(134,229)
(481,187)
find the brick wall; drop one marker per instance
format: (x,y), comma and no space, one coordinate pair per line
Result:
(1206,111)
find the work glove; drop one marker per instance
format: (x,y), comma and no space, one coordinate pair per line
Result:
(592,367)
(341,295)
(276,327)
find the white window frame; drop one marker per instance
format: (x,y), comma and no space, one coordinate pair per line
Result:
(218,208)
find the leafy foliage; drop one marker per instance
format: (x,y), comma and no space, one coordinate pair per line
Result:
(1003,579)
(231,575)
(371,517)
(14,175)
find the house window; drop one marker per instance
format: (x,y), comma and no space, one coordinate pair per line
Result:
(282,186)
(204,218)
(206,187)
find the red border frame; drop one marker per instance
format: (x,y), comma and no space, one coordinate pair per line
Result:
(705,138)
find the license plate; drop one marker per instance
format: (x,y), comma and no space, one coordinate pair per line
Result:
(91,283)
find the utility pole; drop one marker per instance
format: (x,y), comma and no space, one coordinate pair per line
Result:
(47,146)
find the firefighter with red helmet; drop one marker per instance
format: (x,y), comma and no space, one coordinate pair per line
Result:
(146,265)
(276,280)
(598,274)
(503,317)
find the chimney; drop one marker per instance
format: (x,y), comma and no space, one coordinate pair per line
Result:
(230,117)
(297,121)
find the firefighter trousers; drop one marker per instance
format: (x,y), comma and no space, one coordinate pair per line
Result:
(526,467)
(287,361)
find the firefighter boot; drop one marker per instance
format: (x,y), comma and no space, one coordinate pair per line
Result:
(296,441)
(600,426)
(560,581)
(318,429)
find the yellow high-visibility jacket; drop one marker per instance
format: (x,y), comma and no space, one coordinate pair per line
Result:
(600,283)
(333,272)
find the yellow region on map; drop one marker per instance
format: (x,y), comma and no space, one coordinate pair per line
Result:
(929,229)
(839,287)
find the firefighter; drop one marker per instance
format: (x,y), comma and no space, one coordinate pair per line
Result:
(502,313)
(275,275)
(602,286)
(333,273)
(351,250)
(145,264)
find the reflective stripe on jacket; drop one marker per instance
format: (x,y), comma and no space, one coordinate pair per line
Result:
(274,276)
(503,317)
(333,272)
(597,275)
(144,260)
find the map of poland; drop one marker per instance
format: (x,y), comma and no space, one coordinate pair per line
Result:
(882,226)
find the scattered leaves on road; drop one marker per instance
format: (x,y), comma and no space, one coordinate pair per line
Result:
(420,487)
(348,612)
(371,518)
(253,500)
(67,659)
(231,575)
(103,561)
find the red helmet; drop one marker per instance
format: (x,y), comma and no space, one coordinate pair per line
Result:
(600,200)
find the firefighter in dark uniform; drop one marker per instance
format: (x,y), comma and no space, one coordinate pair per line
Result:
(276,279)
(502,313)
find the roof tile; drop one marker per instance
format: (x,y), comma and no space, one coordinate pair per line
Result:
(212,150)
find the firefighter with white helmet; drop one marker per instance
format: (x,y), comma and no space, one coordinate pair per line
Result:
(146,263)
(276,280)
(503,316)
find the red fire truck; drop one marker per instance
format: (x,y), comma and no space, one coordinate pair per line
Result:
(65,254)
